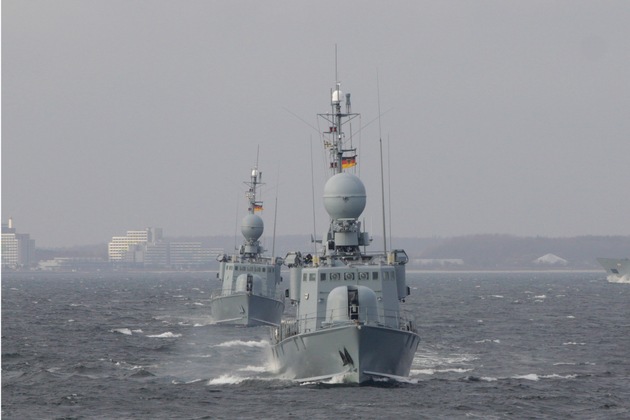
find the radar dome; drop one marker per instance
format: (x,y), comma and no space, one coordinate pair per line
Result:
(344,196)
(252,227)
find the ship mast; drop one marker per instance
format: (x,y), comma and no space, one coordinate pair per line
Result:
(252,225)
(344,193)
(340,157)
(255,180)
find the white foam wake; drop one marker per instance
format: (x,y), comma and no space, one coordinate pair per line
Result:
(618,279)
(259,369)
(434,371)
(250,343)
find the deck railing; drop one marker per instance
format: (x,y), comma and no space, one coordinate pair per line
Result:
(216,293)
(402,320)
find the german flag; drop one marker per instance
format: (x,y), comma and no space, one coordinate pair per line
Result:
(348,162)
(258,207)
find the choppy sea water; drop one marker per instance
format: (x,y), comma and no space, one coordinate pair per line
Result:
(136,346)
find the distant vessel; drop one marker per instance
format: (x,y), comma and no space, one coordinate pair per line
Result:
(618,269)
(348,323)
(248,294)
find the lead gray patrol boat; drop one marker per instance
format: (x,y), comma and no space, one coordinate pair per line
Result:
(348,324)
(248,295)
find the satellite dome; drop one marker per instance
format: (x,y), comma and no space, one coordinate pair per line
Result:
(344,196)
(252,227)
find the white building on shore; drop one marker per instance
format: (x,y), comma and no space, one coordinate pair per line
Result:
(18,249)
(148,248)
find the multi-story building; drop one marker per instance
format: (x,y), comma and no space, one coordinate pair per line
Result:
(124,248)
(147,248)
(18,249)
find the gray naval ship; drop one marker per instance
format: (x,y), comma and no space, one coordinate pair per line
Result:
(248,294)
(348,324)
(618,269)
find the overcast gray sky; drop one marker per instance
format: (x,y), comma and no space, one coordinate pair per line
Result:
(499,117)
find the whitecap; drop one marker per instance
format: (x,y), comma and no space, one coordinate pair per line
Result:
(435,359)
(529,377)
(488,340)
(570,316)
(497,296)
(555,375)
(456,370)
(540,297)
(226,379)
(125,331)
(167,334)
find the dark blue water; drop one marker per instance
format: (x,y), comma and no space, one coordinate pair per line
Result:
(494,345)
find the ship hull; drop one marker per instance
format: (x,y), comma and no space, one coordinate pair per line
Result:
(246,309)
(618,269)
(355,353)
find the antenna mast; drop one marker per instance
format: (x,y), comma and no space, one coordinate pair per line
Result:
(380,142)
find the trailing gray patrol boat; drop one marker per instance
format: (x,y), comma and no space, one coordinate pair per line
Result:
(348,324)
(248,293)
